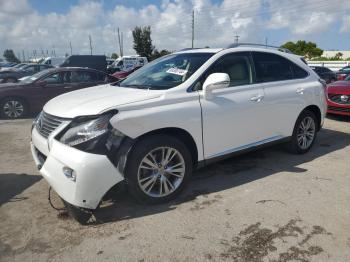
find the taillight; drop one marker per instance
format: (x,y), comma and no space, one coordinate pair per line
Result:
(324,85)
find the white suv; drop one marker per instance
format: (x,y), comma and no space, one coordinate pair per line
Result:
(176,114)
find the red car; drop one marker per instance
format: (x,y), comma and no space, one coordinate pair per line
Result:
(338,97)
(124,74)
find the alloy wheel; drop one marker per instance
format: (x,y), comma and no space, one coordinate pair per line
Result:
(306,132)
(13,109)
(161,172)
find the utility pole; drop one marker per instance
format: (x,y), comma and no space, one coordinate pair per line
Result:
(192,28)
(70,45)
(121,40)
(24,58)
(90,44)
(116,37)
(266,42)
(236,38)
(120,46)
(53,51)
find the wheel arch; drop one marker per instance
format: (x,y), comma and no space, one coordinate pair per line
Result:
(181,134)
(317,111)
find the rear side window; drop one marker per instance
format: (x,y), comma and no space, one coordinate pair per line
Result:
(271,67)
(298,71)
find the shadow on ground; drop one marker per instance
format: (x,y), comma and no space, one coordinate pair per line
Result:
(224,175)
(12,185)
(339,118)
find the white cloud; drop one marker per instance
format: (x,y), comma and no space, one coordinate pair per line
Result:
(345,24)
(306,17)
(22,28)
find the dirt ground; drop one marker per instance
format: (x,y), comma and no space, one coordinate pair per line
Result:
(267,205)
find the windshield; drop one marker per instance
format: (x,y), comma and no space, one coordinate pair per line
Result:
(31,79)
(19,65)
(166,72)
(345,69)
(347,78)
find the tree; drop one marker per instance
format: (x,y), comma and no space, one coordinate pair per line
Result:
(338,56)
(156,54)
(10,56)
(114,56)
(303,48)
(142,41)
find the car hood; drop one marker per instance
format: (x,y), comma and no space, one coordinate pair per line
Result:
(95,100)
(342,87)
(10,85)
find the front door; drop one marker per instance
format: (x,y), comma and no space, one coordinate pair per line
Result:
(233,118)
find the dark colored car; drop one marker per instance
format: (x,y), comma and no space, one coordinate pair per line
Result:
(30,94)
(338,97)
(11,75)
(6,64)
(343,73)
(325,73)
(97,62)
(124,74)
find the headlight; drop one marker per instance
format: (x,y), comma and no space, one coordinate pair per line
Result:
(82,132)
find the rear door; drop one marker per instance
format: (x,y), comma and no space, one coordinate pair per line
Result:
(85,78)
(285,91)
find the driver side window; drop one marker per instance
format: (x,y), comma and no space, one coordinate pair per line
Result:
(53,79)
(236,65)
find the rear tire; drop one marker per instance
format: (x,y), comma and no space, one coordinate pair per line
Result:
(304,133)
(158,169)
(13,108)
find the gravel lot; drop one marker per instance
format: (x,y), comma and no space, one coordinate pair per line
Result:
(264,206)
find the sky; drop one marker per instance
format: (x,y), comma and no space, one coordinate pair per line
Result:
(48,27)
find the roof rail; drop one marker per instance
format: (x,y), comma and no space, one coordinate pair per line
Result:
(282,49)
(190,48)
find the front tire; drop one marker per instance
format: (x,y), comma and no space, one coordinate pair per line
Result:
(13,108)
(304,133)
(158,169)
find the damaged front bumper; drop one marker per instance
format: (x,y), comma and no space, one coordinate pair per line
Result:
(90,177)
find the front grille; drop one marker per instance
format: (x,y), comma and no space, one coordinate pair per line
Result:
(336,98)
(46,124)
(339,109)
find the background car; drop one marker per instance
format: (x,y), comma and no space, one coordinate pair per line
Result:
(29,95)
(6,64)
(338,97)
(343,73)
(12,75)
(325,73)
(124,74)
(97,62)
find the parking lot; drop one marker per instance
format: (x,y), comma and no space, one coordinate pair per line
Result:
(267,205)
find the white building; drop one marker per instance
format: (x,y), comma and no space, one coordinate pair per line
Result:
(346,54)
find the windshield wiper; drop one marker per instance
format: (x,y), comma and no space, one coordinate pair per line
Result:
(138,86)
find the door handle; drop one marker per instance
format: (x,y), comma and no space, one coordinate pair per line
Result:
(67,87)
(256,98)
(300,90)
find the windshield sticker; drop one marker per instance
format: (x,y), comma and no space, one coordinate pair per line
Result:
(176,71)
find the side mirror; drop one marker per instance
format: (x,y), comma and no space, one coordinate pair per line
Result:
(215,81)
